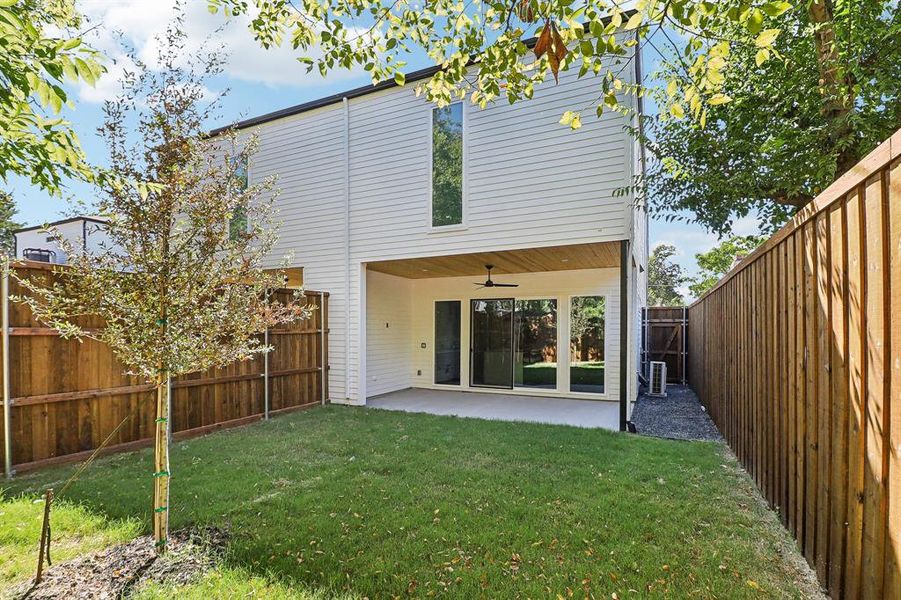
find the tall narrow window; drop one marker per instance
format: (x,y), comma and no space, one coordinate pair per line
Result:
(586,344)
(447,165)
(237,225)
(535,344)
(447,342)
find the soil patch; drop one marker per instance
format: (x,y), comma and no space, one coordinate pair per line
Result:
(118,570)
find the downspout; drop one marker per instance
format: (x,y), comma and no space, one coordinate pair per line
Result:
(346,104)
(623,333)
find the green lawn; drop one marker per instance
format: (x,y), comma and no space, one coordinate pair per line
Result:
(352,502)
(586,373)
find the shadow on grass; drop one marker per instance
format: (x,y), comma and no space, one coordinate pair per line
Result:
(377,503)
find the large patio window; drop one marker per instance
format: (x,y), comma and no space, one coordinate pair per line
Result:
(447,342)
(447,165)
(586,344)
(535,344)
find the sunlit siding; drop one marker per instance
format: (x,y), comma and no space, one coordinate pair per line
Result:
(528,181)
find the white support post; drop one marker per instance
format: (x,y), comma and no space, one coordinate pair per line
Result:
(7,407)
(266,376)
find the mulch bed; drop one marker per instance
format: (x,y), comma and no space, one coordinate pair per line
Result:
(678,415)
(119,570)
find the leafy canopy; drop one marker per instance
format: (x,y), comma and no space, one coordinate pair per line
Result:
(35,66)
(176,289)
(718,261)
(801,112)
(481,45)
(665,277)
(7,224)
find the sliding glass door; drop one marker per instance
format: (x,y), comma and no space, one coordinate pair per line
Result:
(491,351)
(535,344)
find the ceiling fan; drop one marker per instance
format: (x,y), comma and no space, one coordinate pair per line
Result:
(490,283)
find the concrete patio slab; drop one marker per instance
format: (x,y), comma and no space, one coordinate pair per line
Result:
(502,407)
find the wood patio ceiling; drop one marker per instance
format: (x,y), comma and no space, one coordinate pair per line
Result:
(552,258)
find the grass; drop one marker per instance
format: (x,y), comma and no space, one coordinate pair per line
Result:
(545,373)
(340,502)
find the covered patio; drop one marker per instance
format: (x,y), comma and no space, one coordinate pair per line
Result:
(502,407)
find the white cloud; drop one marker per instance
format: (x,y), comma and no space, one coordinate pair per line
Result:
(139,22)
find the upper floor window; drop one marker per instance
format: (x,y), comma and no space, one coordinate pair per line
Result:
(237,225)
(447,165)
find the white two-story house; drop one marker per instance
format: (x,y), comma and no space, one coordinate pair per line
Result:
(397,208)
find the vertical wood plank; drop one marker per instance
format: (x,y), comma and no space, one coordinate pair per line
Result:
(823,386)
(875,466)
(811,359)
(893,243)
(854,307)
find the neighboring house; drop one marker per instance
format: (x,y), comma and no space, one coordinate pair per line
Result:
(395,206)
(36,243)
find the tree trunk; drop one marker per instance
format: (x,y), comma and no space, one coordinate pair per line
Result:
(161,466)
(836,89)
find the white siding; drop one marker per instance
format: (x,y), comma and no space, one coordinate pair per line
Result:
(528,182)
(559,284)
(389,305)
(306,152)
(81,234)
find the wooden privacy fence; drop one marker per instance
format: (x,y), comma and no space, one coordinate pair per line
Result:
(664,339)
(797,356)
(65,397)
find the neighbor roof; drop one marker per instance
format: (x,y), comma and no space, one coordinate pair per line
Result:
(101,220)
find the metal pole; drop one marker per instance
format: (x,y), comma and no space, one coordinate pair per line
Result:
(266,376)
(7,408)
(684,342)
(323,359)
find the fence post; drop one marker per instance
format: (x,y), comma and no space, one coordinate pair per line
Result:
(7,408)
(266,375)
(323,359)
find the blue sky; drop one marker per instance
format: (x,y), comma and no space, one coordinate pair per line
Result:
(259,81)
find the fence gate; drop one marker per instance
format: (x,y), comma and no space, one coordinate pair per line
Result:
(664,337)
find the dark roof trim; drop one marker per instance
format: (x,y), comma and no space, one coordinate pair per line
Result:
(336,98)
(61,222)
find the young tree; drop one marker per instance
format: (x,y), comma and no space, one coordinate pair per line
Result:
(7,225)
(719,260)
(178,288)
(665,277)
(38,55)
(801,114)
(480,46)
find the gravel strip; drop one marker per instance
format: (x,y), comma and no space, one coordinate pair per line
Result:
(678,415)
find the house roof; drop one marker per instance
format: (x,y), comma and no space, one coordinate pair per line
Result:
(354,93)
(89,219)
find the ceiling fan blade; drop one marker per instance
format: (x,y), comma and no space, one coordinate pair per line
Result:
(506,285)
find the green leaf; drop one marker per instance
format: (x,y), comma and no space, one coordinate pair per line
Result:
(399,78)
(755,21)
(634,21)
(7,3)
(762,56)
(775,9)
(718,99)
(766,38)
(672,87)
(677,111)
